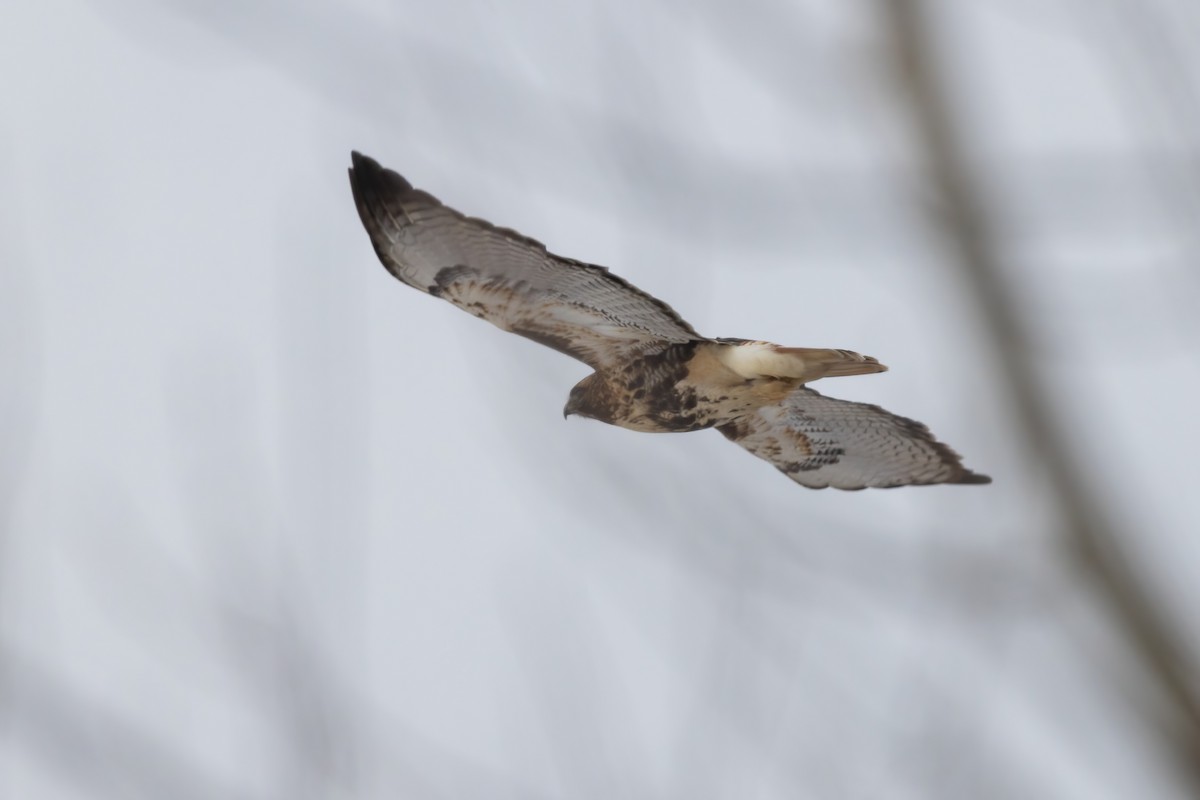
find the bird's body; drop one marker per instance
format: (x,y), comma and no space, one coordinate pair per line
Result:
(653,372)
(698,385)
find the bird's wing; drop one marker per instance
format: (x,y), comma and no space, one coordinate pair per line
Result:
(508,279)
(820,441)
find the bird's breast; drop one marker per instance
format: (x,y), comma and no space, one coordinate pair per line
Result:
(686,389)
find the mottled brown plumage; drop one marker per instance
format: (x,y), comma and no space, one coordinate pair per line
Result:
(653,371)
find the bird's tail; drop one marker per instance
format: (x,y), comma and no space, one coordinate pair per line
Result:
(832,363)
(766,360)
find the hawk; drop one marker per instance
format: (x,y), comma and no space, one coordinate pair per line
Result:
(652,371)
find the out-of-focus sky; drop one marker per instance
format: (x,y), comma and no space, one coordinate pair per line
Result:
(274,525)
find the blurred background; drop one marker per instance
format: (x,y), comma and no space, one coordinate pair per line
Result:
(274,526)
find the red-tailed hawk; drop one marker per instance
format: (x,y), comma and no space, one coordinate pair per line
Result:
(653,372)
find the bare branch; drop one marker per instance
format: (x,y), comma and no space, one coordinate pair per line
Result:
(1088,533)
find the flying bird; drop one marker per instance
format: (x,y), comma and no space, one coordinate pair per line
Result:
(652,371)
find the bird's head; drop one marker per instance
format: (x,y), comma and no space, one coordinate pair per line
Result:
(588,398)
(575,402)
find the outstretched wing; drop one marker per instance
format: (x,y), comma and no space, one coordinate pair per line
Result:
(820,441)
(508,279)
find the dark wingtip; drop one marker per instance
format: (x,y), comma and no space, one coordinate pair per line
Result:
(969,477)
(385,202)
(378,194)
(360,167)
(374,188)
(368,177)
(377,188)
(365,163)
